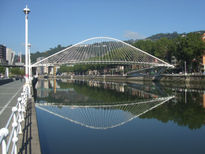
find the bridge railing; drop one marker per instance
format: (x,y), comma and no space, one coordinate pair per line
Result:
(9,134)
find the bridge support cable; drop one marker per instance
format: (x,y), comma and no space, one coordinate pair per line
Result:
(103,50)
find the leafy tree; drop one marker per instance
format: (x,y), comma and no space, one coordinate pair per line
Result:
(146,45)
(2,69)
(17,71)
(187,48)
(190,49)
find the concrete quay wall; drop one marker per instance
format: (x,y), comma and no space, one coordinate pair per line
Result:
(164,78)
(189,78)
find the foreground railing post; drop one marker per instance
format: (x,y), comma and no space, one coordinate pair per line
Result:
(14,125)
(19,116)
(3,133)
(23,105)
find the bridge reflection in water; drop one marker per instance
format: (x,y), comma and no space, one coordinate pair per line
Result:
(98,105)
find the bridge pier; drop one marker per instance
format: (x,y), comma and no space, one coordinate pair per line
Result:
(7,72)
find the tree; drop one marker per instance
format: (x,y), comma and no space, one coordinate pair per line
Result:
(17,71)
(2,69)
(146,45)
(190,49)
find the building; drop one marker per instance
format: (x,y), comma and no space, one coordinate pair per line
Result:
(10,54)
(3,54)
(203,36)
(19,60)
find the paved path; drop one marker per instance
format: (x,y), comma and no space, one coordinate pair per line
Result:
(29,140)
(8,98)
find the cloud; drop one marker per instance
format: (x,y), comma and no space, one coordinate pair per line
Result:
(133,35)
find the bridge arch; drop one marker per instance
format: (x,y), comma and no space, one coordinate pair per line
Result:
(102,50)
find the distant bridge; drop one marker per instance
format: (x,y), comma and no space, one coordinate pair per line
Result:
(103,50)
(7,65)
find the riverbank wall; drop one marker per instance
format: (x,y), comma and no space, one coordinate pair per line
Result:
(174,78)
(170,80)
(182,78)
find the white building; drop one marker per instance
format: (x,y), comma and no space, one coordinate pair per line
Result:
(10,54)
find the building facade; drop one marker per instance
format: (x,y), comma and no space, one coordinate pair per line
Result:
(3,54)
(10,54)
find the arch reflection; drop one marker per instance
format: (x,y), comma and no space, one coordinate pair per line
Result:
(99,105)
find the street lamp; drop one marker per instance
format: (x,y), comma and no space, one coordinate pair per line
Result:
(29,62)
(26,11)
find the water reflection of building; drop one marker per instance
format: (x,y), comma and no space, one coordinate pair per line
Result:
(42,86)
(45,86)
(94,83)
(53,84)
(139,93)
(119,87)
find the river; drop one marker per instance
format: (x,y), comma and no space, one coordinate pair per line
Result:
(92,117)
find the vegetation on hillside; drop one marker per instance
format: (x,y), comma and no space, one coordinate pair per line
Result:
(51,51)
(169,35)
(189,48)
(184,47)
(164,35)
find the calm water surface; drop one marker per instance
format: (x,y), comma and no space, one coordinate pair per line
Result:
(92,117)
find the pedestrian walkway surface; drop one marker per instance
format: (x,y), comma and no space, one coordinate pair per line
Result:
(9,94)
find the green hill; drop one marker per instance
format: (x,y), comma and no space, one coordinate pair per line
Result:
(169,35)
(47,53)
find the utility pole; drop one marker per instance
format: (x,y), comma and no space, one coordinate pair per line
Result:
(26,11)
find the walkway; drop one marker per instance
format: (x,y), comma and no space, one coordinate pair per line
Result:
(28,142)
(8,98)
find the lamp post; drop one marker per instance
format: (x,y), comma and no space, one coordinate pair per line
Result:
(26,11)
(29,62)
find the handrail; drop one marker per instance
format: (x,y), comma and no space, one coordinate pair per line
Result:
(17,115)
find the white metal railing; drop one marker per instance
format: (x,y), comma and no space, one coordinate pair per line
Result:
(9,134)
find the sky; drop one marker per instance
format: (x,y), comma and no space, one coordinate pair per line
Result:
(66,22)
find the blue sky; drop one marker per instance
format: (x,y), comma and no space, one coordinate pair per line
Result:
(65,22)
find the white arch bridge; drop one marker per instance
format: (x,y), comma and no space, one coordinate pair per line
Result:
(103,50)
